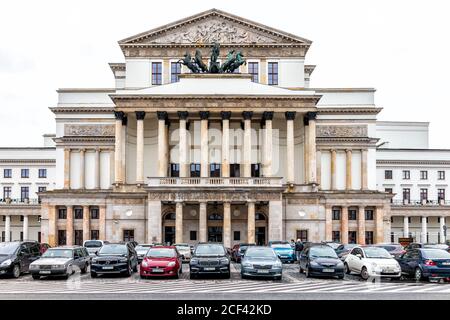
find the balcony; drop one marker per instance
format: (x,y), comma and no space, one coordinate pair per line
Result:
(26,201)
(421,203)
(214,182)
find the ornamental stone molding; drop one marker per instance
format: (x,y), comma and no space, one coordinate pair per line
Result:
(192,196)
(336,131)
(88,130)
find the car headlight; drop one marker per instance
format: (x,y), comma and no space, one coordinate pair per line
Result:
(7,262)
(34,266)
(123,260)
(313,263)
(247,265)
(277,264)
(224,261)
(144,264)
(171,264)
(194,261)
(340,264)
(374,265)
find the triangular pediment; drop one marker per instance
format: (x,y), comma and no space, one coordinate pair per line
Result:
(214,26)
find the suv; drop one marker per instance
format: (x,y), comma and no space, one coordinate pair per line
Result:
(118,258)
(16,256)
(209,258)
(93,246)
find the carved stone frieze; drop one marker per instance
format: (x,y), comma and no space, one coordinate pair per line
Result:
(341,131)
(88,130)
(214,196)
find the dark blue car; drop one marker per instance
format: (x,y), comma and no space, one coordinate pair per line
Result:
(425,264)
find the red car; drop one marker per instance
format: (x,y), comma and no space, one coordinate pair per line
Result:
(161,261)
(43,247)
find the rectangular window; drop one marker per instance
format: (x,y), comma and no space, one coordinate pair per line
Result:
(174,170)
(79,237)
(406,175)
(441,194)
(272,68)
(369,237)
(336,213)
(39,237)
(236,235)
(95,235)
(336,236)
(193,235)
(62,213)
(42,173)
(352,214)
(6,192)
(195,169)
(235,170)
(423,194)
(156,73)
(175,71)
(302,235)
(78,213)
(24,193)
(128,235)
(392,237)
(352,237)
(24,173)
(256,170)
(253,70)
(21,218)
(94,213)
(42,189)
(369,214)
(387,174)
(441,175)
(7,173)
(62,237)
(389,190)
(423,175)
(406,195)
(214,170)
(21,235)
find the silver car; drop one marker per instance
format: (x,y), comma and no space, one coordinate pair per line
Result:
(185,251)
(93,246)
(61,261)
(261,262)
(141,250)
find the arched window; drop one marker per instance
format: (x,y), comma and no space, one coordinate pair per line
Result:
(169,216)
(260,216)
(215,216)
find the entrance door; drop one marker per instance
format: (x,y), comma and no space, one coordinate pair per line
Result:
(215,234)
(260,236)
(169,235)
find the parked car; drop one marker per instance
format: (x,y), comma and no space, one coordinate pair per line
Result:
(43,247)
(93,246)
(418,245)
(115,258)
(425,264)
(395,249)
(371,261)
(344,249)
(161,261)
(61,261)
(185,251)
(238,251)
(332,244)
(16,257)
(321,261)
(261,261)
(141,250)
(209,259)
(284,250)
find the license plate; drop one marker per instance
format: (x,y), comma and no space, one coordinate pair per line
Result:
(327,270)
(263,271)
(210,269)
(158,270)
(108,268)
(45,272)
(446,263)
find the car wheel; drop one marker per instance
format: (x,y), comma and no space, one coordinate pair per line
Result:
(277,278)
(66,276)
(227,275)
(36,276)
(243,276)
(346,269)
(364,273)
(341,277)
(418,275)
(16,271)
(94,275)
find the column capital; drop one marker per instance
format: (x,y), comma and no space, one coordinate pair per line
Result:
(267,115)
(204,115)
(348,150)
(140,115)
(309,116)
(247,115)
(183,115)
(226,115)
(83,150)
(290,115)
(119,115)
(161,115)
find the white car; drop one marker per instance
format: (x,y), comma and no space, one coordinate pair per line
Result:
(372,262)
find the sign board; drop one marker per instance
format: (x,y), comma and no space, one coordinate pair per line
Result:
(405,241)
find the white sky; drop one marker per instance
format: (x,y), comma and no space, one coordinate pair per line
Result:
(399,47)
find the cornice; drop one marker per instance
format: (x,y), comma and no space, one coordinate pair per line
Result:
(82,109)
(28,160)
(414,162)
(349,110)
(115,97)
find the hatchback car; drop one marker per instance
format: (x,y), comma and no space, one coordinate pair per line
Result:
(161,261)
(115,258)
(261,262)
(209,259)
(321,261)
(93,246)
(238,251)
(141,250)
(16,257)
(370,261)
(284,250)
(61,261)
(184,250)
(423,264)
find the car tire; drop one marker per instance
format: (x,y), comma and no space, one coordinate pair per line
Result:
(418,275)
(364,273)
(66,276)
(36,276)
(227,275)
(243,276)
(278,278)
(16,271)
(346,269)
(94,275)
(341,277)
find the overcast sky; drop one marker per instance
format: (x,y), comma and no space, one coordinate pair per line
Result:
(401,48)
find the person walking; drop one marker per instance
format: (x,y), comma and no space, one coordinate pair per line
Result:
(298,248)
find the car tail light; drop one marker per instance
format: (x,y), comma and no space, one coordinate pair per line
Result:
(430,263)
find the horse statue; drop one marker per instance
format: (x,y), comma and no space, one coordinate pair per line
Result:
(230,59)
(187,61)
(199,61)
(238,61)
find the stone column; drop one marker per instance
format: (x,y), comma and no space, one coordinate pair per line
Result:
(348,169)
(179,222)
(25,227)
(102,222)
(251,222)
(203,223)
(118,148)
(69,226)
(82,169)
(154,221)
(441,229)
(423,237)
(319,167)
(290,163)
(275,220)
(227,224)
(305,150)
(66,168)
(86,223)
(361,225)
(124,149)
(162,144)
(333,170)
(225,167)
(183,152)
(204,151)
(247,154)
(406,227)
(97,169)
(52,226)
(379,228)
(311,116)
(328,223)
(344,225)
(364,185)
(8,228)
(112,161)
(140,116)
(267,152)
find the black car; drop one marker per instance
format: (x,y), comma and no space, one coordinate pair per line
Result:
(321,261)
(209,259)
(16,256)
(115,258)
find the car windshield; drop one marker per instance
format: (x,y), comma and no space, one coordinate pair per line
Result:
(333,245)
(281,245)
(375,252)
(389,248)
(435,254)
(58,253)
(7,248)
(93,244)
(322,252)
(260,253)
(113,249)
(209,250)
(161,253)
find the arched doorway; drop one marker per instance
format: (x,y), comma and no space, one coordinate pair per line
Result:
(169,228)
(261,228)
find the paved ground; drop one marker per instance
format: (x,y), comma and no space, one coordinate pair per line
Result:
(293,286)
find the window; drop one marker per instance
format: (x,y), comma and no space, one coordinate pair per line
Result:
(256,170)
(369,237)
(336,236)
(236,235)
(21,218)
(273,73)
(95,234)
(78,237)
(369,214)
(21,235)
(94,213)
(128,235)
(441,175)
(302,235)
(195,169)
(423,175)
(389,190)
(24,193)
(406,195)
(175,70)
(351,214)
(39,237)
(392,237)
(25,173)
(235,170)
(423,194)
(62,237)
(352,237)
(336,212)
(174,170)
(62,213)
(78,213)
(253,69)
(156,73)
(214,170)
(388,174)
(7,173)
(441,194)
(6,192)
(193,235)
(406,174)
(42,173)
(42,189)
